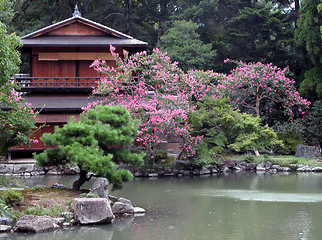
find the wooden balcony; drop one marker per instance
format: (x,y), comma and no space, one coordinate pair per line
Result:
(27,84)
(41,84)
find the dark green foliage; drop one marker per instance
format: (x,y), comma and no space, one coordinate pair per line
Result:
(12,198)
(183,45)
(292,134)
(311,86)
(308,32)
(314,125)
(244,30)
(97,143)
(290,142)
(160,155)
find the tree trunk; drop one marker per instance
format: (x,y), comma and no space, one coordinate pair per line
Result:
(179,155)
(256,152)
(162,20)
(81,180)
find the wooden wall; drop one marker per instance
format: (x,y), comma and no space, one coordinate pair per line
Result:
(42,66)
(46,124)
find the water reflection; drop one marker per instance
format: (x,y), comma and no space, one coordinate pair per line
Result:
(251,195)
(102,232)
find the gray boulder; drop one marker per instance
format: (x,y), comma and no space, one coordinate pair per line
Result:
(261,167)
(5,228)
(32,223)
(123,206)
(58,186)
(317,169)
(92,210)
(100,187)
(204,171)
(306,151)
(268,165)
(5,221)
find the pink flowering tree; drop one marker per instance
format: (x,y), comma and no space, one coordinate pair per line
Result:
(16,119)
(258,88)
(158,95)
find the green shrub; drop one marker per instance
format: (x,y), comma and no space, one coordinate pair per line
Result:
(55,211)
(13,198)
(37,210)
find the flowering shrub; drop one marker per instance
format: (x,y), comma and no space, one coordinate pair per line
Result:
(259,88)
(16,120)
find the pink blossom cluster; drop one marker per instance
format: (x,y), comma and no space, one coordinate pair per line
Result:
(258,86)
(157,93)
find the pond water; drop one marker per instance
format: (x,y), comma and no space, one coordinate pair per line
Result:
(233,206)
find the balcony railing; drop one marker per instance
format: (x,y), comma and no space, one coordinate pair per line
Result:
(55,83)
(27,83)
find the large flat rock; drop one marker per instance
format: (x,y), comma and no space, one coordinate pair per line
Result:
(32,223)
(92,210)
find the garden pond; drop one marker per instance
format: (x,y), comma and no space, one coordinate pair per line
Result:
(226,206)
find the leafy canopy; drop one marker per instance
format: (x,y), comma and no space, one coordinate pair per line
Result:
(224,128)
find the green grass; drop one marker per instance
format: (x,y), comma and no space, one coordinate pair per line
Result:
(55,211)
(282,160)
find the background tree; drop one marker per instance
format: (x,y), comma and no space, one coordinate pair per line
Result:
(96,144)
(309,36)
(183,44)
(16,120)
(244,30)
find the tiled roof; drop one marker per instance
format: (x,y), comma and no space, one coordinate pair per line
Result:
(60,103)
(97,41)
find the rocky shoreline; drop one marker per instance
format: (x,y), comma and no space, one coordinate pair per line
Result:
(103,208)
(27,170)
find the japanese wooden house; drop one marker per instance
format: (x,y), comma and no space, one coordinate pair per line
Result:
(60,81)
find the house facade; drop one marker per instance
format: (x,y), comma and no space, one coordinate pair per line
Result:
(59,81)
